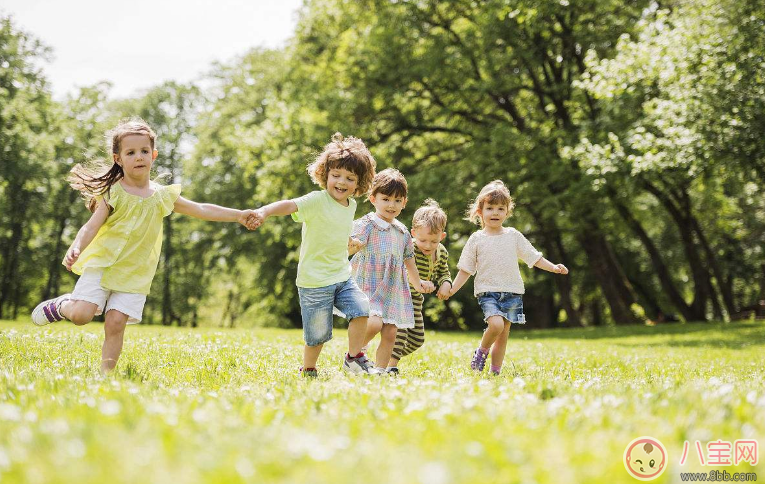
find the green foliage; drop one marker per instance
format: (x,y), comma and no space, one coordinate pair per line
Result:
(619,127)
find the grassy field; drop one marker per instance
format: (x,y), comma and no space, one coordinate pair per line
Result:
(205,405)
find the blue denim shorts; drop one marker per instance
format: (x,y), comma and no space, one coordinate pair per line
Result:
(316,304)
(506,304)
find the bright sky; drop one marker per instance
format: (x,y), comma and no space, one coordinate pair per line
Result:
(141,43)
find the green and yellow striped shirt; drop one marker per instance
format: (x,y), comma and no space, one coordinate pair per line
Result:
(436,271)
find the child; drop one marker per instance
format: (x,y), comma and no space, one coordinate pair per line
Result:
(498,284)
(344,169)
(432,261)
(117,251)
(384,261)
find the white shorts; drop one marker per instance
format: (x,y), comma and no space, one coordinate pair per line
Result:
(88,288)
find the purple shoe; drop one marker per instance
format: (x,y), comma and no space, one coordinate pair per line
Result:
(479,360)
(48,311)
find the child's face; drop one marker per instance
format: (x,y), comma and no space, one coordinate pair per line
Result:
(136,156)
(493,215)
(341,184)
(426,240)
(388,206)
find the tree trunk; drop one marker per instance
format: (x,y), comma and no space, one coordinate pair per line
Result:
(12,255)
(722,284)
(615,286)
(657,261)
(701,283)
(167,301)
(552,242)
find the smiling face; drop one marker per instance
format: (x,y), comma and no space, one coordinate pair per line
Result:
(493,215)
(136,156)
(645,459)
(388,206)
(425,240)
(341,184)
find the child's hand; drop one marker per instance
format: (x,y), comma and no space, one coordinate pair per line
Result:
(427,286)
(71,257)
(253,219)
(560,269)
(444,292)
(354,245)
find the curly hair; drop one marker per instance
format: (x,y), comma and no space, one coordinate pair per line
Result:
(96,177)
(430,215)
(347,154)
(494,193)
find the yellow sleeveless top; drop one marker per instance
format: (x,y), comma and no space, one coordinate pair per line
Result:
(128,244)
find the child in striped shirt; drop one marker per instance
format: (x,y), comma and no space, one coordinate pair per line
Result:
(432,260)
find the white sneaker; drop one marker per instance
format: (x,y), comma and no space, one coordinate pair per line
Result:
(359,366)
(49,311)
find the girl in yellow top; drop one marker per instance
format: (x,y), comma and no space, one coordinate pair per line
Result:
(117,251)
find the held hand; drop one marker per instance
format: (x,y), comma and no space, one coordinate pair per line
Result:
(561,269)
(427,286)
(252,219)
(444,292)
(354,245)
(71,257)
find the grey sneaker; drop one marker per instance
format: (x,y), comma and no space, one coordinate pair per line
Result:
(478,361)
(359,365)
(392,371)
(48,311)
(308,372)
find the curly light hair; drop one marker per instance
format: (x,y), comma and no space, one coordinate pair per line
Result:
(348,154)
(430,215)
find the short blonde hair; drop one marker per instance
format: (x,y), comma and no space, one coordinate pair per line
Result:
(494,193)
(347,154)
(430,215)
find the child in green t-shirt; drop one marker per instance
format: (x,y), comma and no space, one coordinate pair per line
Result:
(344,169)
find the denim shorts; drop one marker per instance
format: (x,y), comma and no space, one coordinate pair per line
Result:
(506,304)
(316,304)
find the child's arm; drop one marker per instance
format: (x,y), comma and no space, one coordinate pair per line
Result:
(459,281)
(86,234)
(282,208)
(213,213)
(548,266)
(414,276)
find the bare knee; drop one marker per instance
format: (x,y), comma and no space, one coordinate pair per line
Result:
(82,312)
(388,333)
(496,324)
(114,325)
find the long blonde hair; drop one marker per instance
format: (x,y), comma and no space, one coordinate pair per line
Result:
(94,178)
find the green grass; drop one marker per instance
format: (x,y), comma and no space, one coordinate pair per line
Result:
(207,405)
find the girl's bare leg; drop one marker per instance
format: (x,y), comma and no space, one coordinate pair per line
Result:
(114,334)
(496,324)
(78,312)
(387,339)
(499,347)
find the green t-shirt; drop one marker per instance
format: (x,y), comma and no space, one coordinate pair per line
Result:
(324,248)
